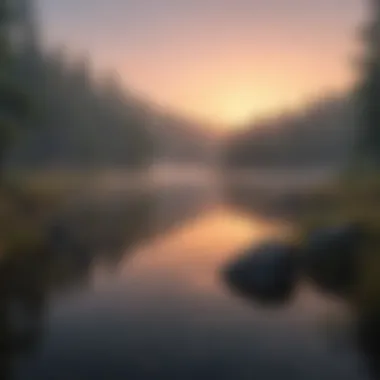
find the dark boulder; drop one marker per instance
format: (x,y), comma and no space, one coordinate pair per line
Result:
(331,257)
(266,274)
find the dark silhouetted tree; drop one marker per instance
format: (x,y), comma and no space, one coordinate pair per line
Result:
(14,106)
(369,91)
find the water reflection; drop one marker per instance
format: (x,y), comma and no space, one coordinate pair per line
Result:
(135,292)
(22,308)
(283,197)
(89,238)
(364,329)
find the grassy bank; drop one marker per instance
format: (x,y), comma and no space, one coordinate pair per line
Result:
(354,197)
(25,211)
(29,201)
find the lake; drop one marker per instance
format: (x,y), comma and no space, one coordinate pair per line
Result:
(142,298)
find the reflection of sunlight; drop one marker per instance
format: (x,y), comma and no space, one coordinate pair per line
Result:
(192,255)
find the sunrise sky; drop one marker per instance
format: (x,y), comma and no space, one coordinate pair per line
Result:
(220,60)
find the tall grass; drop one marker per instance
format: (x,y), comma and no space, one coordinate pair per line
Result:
(354,197)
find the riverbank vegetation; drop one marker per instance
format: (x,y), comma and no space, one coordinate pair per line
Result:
(63,125)
(55,118)
(341,132)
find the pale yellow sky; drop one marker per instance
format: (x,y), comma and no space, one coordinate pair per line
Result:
(226,61)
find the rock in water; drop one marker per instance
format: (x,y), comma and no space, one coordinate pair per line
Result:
(267,274)
(331,257)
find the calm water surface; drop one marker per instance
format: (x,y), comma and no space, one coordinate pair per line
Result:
(146,301)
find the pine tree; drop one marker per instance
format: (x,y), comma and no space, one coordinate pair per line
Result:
(370,89)
(13,104)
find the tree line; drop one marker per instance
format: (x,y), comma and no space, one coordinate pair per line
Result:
(336,130)
(79,118)
(321,134)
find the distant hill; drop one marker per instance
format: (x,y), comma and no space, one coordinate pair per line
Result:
(83,120)
(320,134)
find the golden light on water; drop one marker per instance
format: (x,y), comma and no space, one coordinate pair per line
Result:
(206,243)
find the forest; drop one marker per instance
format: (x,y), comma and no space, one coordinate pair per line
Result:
(320,135)
(74,117)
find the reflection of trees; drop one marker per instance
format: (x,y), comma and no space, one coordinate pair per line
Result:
(368,339)
(177,205)
(86,233)
(96,231)
(26,280)
(267,202)
(332,265)
(22,299)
